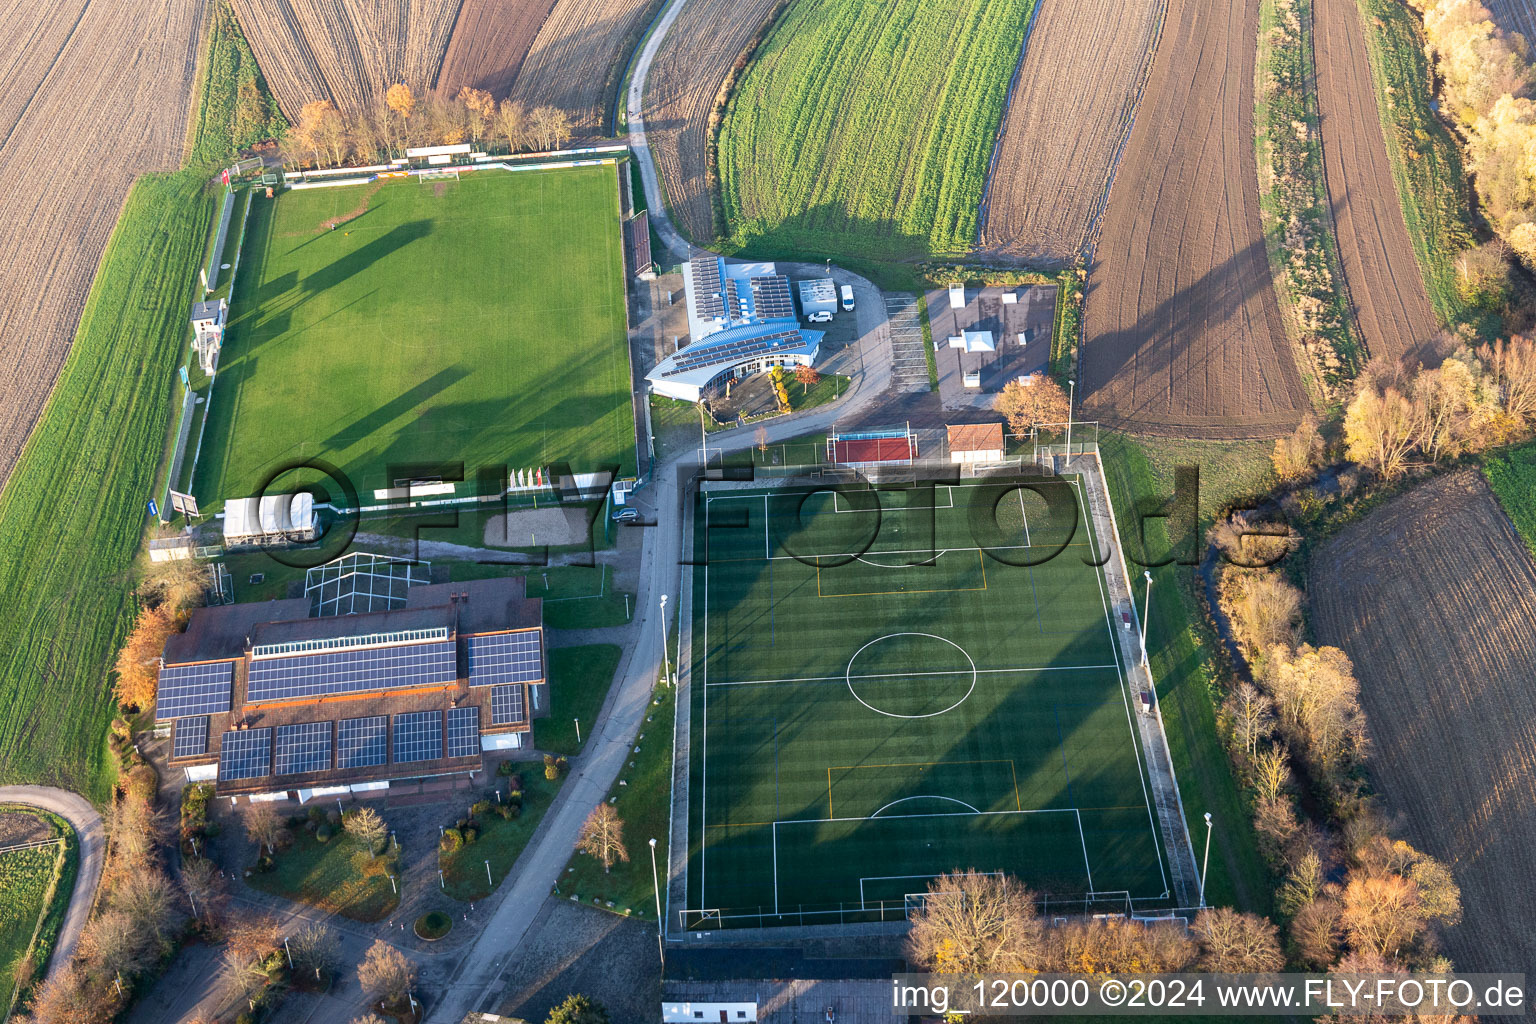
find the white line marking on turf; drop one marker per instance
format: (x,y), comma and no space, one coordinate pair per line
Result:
(953,800)
(892,636)
(1083,838)
(776,867)
(1024,516)
(940,814)
(878,675)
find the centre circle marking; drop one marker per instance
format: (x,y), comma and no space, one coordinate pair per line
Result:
(848,675)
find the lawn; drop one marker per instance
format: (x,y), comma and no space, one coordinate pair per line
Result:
(893,684)
(579,678)
(36,884)
(477,324)
(864,128)
(500,842)
(1180,647)
(72,513)
(338,876)
(643,806)
(1512,475)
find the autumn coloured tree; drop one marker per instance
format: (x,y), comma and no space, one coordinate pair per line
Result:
(806,374)
(602,836)
(973,923)
(138,662)
(1035,400)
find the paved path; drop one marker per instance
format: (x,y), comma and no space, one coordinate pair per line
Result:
(78,811)
(655,204)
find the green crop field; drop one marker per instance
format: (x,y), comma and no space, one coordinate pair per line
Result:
(891,684)
(864,128)
(35,885)
(1512,475)
(72,513)
(479,322)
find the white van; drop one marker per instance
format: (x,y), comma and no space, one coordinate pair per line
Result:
(847,298)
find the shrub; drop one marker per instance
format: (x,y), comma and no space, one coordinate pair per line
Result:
(470,835)
(504,769)
(452,840)
(142,782)
(480,807)
(323,833)
(515,798)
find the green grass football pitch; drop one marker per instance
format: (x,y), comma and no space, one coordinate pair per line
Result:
(891,684)
(479,321)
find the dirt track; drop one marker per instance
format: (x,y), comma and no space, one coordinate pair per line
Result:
(92,92)
(1386,291)
(576,60)
(348,51)
(1183,332)
(489,44)
(1084,66)
(690,68)
(1432,596)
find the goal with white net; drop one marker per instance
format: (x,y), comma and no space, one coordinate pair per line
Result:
(443,174)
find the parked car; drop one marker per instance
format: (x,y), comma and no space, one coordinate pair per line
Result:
(847,298)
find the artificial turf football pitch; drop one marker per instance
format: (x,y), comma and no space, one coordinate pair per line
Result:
(891,684)
(478,321)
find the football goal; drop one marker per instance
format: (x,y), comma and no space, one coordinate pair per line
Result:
(438,174)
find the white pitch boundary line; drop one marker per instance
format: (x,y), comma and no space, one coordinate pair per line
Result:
(879,675)
(1024,517)
(908,508)
(1125,693)
(704,737)
(1083,838)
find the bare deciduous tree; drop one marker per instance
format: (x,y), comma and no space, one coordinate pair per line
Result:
(203,883)
(365,825)
(602,836)
(512,124)
(147,897)
(315,947)
(1125,947)
(971,923)
(1298,452)
(1271,772)
(113,942)
(263,826)
(1382,913)
(1252,714)
(385,972)
(1316,931)
(1235,943)
(68,996)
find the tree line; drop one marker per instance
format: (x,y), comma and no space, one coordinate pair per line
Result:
(326,136)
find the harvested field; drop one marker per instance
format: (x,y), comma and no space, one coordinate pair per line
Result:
(1183,332)
(1433,596)
(489,42)
(1385,289)
(65,167)
(1514,16)
(680,92)
(1084,65)
(347,51)
(576,61)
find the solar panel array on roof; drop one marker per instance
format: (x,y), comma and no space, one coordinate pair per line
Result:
(735,351)
(351,671)
(733,302)
(305,747)
(463,732)
(418,736)
(362,742)
(505,658)
(506,705)
(245,754)
(194,689)
(191,737)
(705,268)
(770,296)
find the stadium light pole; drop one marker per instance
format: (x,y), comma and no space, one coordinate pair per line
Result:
(661,949)
(1146,614)
(666,662)
(1207,861)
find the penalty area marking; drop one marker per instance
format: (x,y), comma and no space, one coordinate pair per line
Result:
(848,675)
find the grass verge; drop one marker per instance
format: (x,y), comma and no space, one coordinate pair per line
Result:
(1426,157)
(643,806)
(1298,228)
(1512,475)
(500,842)
(232,109)
(579,679)
(338,876)
(929,355)
(1181,647)
(72,514)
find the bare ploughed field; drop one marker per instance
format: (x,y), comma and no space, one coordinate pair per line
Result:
(1514,16)
(1183,333)
(91,94)
(685,78)
(1073,102)
(1386,290)
(1433,597)
(576,61)
(489,44)
(348,51)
